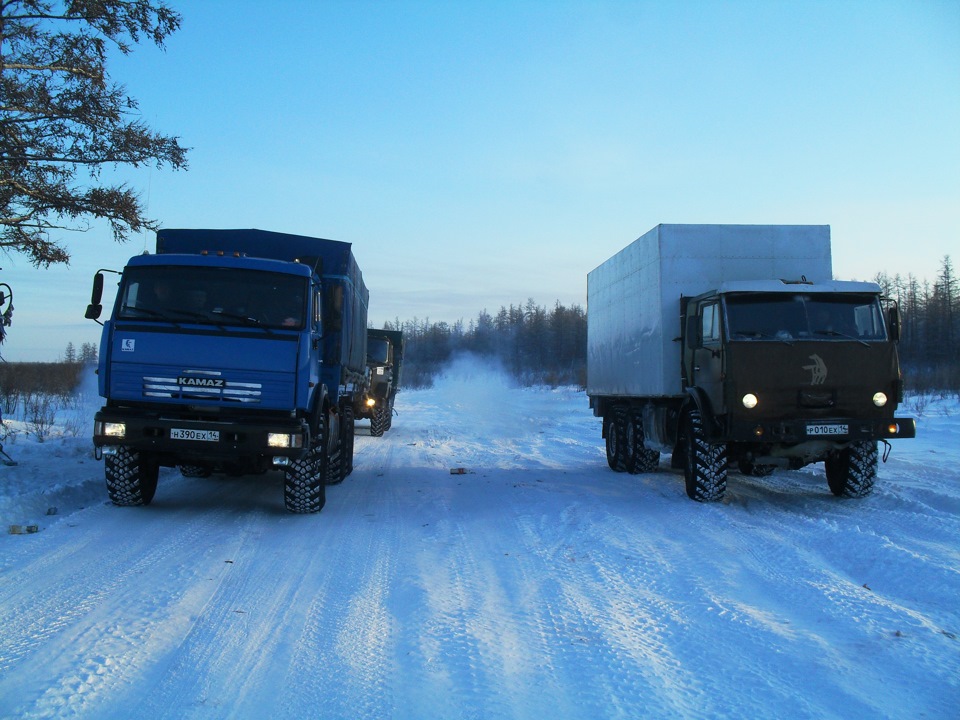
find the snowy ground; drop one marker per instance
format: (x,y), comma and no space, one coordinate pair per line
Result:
(538,585)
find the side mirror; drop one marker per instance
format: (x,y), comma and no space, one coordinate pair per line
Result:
(692,332)
(94,309)
(893,323)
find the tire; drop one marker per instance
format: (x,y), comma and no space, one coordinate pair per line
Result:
(852,471)
(754,469)
(705,473)
(336,465)
(195,471)
(639,458)
(389,419)
(616,432)
(131,477)
(347,427)
(378,421)
(303,488)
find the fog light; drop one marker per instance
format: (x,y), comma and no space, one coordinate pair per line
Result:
(750,401)
(893,429)
(879,399)
(758,431)
(115,429)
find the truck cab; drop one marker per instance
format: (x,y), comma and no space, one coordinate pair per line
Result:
(384,362)
(792,372)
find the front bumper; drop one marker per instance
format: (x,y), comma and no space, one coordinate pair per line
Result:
(836,430)
(185,440)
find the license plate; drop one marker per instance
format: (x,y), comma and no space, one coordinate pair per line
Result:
(836,429)
(204,435)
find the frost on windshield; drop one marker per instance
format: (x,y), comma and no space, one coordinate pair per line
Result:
(209,296)
(774,316)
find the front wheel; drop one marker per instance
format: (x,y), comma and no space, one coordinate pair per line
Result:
(131,477)
(378,420)
(705,471)
(304,490)
(852,471)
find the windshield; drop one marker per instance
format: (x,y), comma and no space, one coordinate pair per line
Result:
(378,350)
(215,296)
(775,316)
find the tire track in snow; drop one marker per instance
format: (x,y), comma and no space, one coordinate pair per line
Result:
(63,592)
(236,647)
(79,606)
(616,638)
(341,663)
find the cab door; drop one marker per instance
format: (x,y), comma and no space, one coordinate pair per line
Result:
(707,362)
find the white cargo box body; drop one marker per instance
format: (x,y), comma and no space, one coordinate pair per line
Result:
(633,299)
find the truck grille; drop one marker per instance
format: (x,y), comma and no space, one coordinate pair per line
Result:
(171,387)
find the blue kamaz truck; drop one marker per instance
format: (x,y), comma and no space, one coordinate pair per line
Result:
(235,351)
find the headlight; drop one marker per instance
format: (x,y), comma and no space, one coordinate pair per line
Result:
(284,440)
(371,402)
(750,401)
(115,429)
(879,399)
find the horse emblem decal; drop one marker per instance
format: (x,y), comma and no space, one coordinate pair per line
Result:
(818,370)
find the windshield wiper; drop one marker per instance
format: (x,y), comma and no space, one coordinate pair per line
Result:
(836,333)
(245,319)
(761,335)
(127,310)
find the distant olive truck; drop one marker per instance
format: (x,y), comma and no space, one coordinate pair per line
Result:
(384,362)
(732,345)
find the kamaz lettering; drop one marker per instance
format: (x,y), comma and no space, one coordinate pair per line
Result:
(201,382)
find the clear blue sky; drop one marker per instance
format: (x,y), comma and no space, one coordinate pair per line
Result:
(481,153)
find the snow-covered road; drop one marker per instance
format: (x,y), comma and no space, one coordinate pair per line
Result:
(537,585)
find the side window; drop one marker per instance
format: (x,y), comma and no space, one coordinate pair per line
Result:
(710,323)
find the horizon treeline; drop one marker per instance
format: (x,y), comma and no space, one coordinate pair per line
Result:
(930,327)
(537,346)
(534,345)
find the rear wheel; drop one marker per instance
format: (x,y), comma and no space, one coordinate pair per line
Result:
(195,471)
(131,477)
(705,472)
(852,471)
(336,456)
(640,459)
(616,440)
(755,469)
(347,428)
